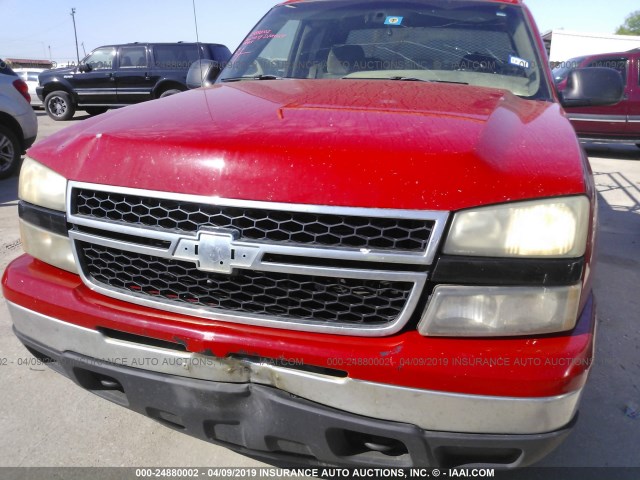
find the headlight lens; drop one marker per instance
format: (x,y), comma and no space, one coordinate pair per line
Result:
(45,188)
(542,228)
(42,186)
(47,246)
(500,311)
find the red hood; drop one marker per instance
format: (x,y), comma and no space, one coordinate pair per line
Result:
(385,144)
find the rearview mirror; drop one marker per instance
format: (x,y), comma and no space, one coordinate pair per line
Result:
(592,87)
(203,73)
(84,67)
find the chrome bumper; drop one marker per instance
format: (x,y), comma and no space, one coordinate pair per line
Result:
(429,410)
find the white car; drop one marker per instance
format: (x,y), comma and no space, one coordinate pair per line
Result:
(30,77)
(18,122)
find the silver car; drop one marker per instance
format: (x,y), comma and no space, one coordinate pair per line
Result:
(18,122)
(30,77)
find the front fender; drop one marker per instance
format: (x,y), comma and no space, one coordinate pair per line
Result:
(55,84)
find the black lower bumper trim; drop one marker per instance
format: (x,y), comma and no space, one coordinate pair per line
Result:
(281,429)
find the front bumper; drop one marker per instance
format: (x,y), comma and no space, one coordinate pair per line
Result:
(541,367)
(283,429)
(509,415)
(438,410)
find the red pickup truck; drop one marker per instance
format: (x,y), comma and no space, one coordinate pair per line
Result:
(618,123)
(370,242)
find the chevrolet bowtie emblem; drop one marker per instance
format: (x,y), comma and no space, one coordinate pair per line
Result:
(216,251)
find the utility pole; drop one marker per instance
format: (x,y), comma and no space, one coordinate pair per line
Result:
(195,19)
(83,50)
(73,15)
(50,57)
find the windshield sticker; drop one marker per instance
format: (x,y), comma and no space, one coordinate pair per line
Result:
(501,14)
(519,62)
(262,35)
(395,21)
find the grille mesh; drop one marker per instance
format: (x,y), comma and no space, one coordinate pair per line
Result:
(327,230)
(286,296)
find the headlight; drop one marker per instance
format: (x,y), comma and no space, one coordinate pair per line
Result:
(543,228)
(49,247)
(500,311)
(42,187)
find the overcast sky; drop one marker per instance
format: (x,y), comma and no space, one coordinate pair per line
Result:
(29,27)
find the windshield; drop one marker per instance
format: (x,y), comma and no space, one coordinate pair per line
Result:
(561,72)
(484,44)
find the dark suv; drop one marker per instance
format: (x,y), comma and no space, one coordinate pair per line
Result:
(120,75)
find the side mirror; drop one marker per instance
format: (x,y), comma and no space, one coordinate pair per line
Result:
(592,87)
(84,67)
(203,73)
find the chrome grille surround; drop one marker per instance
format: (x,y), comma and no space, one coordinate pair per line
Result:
(183,246)
(313,229)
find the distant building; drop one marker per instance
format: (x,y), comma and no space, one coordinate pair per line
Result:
(28,63)
(563,44)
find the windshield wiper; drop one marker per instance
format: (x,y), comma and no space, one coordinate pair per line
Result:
(414,79)
(404,79)
(252,77)
(407,79)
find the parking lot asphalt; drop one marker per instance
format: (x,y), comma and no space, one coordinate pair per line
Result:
(47,421)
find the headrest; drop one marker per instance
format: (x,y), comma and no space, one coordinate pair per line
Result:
(344,59)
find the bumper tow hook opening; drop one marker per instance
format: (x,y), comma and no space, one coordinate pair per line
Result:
(362,442)
(102,385)
(109,384)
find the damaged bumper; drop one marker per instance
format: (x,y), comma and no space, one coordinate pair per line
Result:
(303,416)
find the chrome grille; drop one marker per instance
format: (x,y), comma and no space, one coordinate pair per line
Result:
(302,297)
(305,228)
(345,271)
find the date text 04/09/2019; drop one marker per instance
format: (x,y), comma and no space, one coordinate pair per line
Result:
(329,473)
